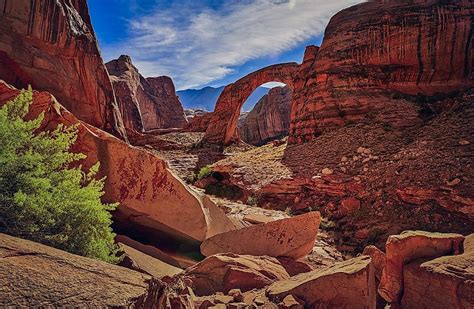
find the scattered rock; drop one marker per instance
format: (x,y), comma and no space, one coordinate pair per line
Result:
(327,171)
(464,142)
(349,206)
(454,182)
(290,302)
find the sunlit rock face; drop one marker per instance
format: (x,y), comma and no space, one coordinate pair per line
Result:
(51,45)
(269,119)
(145,103)
(374,51)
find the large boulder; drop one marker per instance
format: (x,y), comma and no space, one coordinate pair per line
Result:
(409,246)
(269,119)
(374,52)
(145,103)
(291,237)
(224,272)
(51,46)
(348,284)
(445,282)
(150,195)
(37,276)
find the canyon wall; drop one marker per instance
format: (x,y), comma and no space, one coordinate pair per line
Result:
(145,103)
(374,51)
(51,45)
(269,119)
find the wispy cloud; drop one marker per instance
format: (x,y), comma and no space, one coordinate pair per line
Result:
(199,44)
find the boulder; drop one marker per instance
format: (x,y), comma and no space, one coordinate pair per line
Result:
(409,246)
(145,103)
(224,272)
(445,282)
(139,261)
(291,237)
(269,119)
(37,276)
(348,284)
(51,46)
(378,259)
(150,195)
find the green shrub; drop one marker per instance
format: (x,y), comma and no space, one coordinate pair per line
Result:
(204,172)
(44,199)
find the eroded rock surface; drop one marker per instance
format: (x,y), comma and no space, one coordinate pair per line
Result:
(51,46)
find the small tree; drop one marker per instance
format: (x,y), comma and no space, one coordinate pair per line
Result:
(43,198)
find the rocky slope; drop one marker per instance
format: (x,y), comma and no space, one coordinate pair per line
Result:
(269,119)
(51,45)
(375,50)
(145,103)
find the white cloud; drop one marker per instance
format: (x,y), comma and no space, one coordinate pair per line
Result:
(196,46)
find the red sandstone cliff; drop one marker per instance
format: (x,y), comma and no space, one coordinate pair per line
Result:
(375,49)
(145,103)
(269,119)
(51,45)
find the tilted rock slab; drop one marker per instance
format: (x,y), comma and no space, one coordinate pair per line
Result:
(51,46)
(291,237)
(445,282)
(224,272)
(409,246)
(149,193)
(348,284)
(37,276)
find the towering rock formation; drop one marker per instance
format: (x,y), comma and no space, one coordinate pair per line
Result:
(51,45)
(375,49)
(145,103)
(269,119)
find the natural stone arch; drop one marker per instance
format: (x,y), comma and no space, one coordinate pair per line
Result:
(222,128)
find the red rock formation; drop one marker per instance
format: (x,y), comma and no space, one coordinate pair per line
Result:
(269,119)
(51,45)
(199,123)
(145,103)
(223,124)
(150,196)
(378,48)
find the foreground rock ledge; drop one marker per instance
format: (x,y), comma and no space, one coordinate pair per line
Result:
(33,275)
(292,237)
(349,284)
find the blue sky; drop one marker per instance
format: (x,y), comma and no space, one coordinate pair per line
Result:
(209,42)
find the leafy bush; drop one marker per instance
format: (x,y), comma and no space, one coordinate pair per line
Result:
(204,172)
(44,199)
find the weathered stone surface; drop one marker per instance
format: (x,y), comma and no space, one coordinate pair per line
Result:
(149,194)
(348,284)
(33,275)
(199,123)
(409,246)
(445,282)
(291,237)
(224,272)
(378,259)
(269,119)
(144,263)
(51,45)
(378,48)
(145,103)
(223,124)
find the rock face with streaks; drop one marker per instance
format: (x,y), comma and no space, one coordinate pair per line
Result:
(33,275)
(269,119)
(376,50)
(51,46)
(145,103)
(150,195)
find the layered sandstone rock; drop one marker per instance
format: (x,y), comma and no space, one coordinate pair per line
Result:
(409,246)
(199,123)
(269,119)
(291,237)
(348,284)
(33,275)
(223,124)
(224,272)
(445,282)
(150,195)
(378,48)
(145,103)
(51,45)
